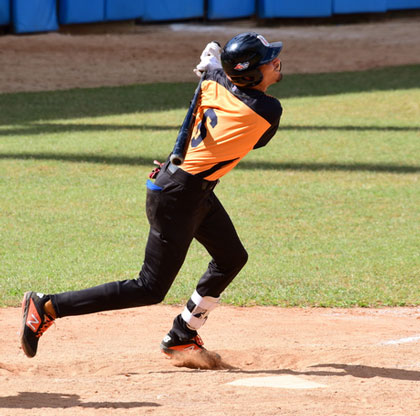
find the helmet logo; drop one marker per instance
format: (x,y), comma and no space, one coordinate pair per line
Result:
(241,66)
(263,40)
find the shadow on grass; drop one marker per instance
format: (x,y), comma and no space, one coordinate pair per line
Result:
(21,108)
(245,164)
(51,128)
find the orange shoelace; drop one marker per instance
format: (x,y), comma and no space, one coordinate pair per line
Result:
(198,340)
(48,321)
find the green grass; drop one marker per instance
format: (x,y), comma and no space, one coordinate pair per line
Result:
(329,211)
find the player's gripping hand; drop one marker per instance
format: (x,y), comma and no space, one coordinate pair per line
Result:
(209,59)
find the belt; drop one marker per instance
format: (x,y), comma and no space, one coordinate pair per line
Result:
(188,178)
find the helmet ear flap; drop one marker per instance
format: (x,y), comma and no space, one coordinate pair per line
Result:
(248,79)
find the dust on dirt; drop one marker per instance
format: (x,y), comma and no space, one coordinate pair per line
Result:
(110,363)
(203,360)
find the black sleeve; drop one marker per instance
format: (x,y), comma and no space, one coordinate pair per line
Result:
(273,116)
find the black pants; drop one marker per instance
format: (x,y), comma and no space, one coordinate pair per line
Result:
(179,207)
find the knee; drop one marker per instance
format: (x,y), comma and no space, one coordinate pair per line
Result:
(244,257)
(151,293)
(239,260)
(156,297)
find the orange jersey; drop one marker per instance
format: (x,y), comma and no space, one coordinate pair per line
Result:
(230,121)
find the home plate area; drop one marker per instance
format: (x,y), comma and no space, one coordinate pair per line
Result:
(279,382)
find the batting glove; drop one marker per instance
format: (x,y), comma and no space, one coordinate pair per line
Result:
(209,59)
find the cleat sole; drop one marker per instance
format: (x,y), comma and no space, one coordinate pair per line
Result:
(25,308)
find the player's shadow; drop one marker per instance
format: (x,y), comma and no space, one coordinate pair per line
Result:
(33,400)
(365,371)
(359,371)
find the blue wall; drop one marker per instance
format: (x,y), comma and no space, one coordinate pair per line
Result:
(124,9)
(90,11)
(403,4)
(46,15)
(161,10)
(230,9)
(294,8)
(4,12)
(34,15)
(359,6)
(81,11)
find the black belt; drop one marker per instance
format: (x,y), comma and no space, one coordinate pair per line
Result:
(188,179)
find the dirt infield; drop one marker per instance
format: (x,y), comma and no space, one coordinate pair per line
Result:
(366,362)
(109,364)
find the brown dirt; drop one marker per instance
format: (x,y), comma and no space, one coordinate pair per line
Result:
(110,364)
(125,53)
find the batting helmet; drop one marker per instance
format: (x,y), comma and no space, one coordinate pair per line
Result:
(244,53)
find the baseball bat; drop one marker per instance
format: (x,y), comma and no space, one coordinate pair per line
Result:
(178,152)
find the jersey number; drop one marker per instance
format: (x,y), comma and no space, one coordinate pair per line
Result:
(202,130)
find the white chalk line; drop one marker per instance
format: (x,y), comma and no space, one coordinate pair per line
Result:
(402,340)
(282,382)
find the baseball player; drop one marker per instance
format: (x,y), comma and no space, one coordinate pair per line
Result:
(233,117)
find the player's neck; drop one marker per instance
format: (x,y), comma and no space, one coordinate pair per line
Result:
(260,87)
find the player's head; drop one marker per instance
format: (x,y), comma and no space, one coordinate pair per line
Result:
(243,56)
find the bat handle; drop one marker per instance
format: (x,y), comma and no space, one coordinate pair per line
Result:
(178,154)
(176,159)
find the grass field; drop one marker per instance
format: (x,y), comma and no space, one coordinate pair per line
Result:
(329,211)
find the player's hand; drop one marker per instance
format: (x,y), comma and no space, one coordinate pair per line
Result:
(209,59)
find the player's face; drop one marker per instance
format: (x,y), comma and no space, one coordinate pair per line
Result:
(271,72)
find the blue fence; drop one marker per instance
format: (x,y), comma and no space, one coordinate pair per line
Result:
(162,10)
(81,11)
(124,9)
(34,15)
(359,6)
(230,9)
(294,8)
(5,12)
(403,4)
(46,15)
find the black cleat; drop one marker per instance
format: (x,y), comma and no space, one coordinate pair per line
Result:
(172,344)
(35,321)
